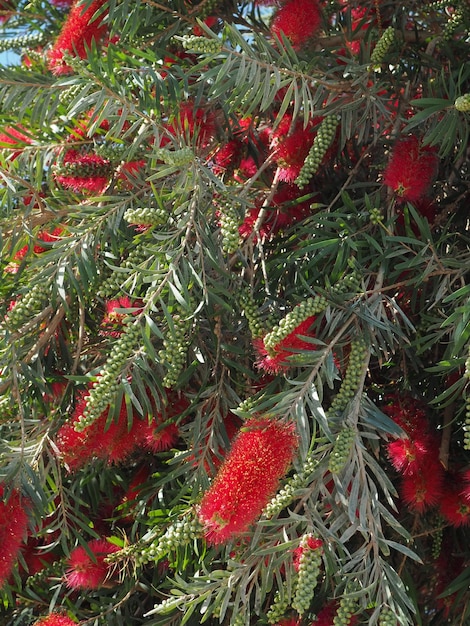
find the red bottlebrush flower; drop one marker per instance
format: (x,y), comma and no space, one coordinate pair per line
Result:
(259,458)
(93,176)
(289,621)
(298,20)
(77,34)
(87,569)
(411,169)
(157,438)
(408,413)
(291,149)
(198,123)
(6,10)
(111,324)
(408,456)
(55,619)
(278,362)
(12,138)
(313,543)
(287,209)
(13,527)
(423,489)
(209,21)
(454,504)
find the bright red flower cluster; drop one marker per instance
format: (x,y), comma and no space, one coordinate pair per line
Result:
(86,567)
(116,442)
(411,169)
(298,20)
(13,528)
(289,346)
(415,457)
(111,324)
(78,32)
(14,140)
(260,456)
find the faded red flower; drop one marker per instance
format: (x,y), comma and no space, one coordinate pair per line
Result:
(298,20)
(454,504)
(260,456)
(13,528)
(411,169)
(277,361)
(55,619)
(86,567)
(80,29)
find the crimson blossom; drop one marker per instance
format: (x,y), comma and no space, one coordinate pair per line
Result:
(80,29)
(411,169)
(13,527)
(87,568)
(260,456)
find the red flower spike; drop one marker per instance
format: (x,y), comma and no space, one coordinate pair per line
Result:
(408,456)
(89,571)
(13,528)
(14,140)
(411,169)
(423,489)
(298,20)
(95,181)
(454,504)
(289,346)
(260,456)
(55,619)
(77,34)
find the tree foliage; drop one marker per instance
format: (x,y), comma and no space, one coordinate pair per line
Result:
(234,342)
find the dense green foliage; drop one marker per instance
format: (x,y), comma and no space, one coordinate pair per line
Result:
(207,223)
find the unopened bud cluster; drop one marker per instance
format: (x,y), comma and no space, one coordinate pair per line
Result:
(146,215)
(106,385)
(21,41)
(462,103)
(202,45)
(184,156)
(342,449)
(352,377)
(252,314)
(387,617)
(307,308)
(67,96)
(287,494)
(466,427)
(229,223)
(178,534)
(323,139)
(346,609)
(113,283)
(29,305)
(383,46)
(279,606)
(460,16)
(175,348)
(307,575)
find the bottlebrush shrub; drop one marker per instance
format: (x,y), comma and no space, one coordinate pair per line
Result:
(257,249)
